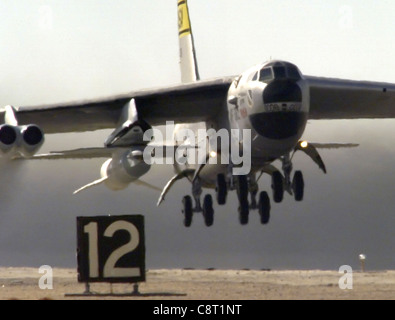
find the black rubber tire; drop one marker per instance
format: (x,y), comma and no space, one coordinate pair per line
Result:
(277,187)
(242,189)
(243,214)
(298,186)
(208,211)
(264,207)
(187,210)
(221,189)
(242,193)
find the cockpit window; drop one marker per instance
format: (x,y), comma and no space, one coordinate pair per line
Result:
(293,73)
(279,72)
(265,75)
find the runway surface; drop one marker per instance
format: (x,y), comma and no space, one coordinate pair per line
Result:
(179,284)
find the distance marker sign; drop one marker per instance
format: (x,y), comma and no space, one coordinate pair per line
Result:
(111,249)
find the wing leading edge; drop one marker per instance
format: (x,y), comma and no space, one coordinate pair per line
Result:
(349,99)
(203,100)
(193,102)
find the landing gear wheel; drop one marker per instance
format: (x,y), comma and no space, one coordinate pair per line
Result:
(277,187)
(208,211)
(221,189)
(298,186)
(264,207)
(187,210)
(242,193)
(243,213)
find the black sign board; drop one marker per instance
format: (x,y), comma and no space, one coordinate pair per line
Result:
(111,249)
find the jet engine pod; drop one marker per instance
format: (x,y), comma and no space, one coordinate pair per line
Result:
(32,138)
(8,138)
(23,140)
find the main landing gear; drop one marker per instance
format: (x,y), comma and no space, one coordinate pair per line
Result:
(247,191)
(246,186)
(207,209)
(249,198)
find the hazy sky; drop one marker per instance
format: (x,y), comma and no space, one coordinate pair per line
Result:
(58,51)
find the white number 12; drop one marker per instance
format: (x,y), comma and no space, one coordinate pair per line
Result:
(109,267)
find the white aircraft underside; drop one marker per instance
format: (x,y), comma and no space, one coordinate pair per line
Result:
(272,102)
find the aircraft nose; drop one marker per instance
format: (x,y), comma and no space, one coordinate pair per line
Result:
(279,125)
(282,117)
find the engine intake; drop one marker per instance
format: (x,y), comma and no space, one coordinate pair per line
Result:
(8,135)
(23,140)
(32,135)
(32,138)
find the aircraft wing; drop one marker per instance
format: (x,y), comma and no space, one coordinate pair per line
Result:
(202,100)
(192,102)
(349,99)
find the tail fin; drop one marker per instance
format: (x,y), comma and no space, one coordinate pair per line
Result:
(188,62)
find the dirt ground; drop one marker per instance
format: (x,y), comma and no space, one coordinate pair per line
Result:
(23,283)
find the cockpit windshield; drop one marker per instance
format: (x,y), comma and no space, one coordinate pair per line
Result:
(293,73)
(279,71)
(265,75)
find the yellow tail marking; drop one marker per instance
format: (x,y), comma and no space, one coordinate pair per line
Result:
(184,26)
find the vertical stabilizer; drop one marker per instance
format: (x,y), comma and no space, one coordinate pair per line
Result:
(188,63)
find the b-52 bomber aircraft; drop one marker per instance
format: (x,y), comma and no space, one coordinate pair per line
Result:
(249,120)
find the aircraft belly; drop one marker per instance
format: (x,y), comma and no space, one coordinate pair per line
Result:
(276,133)
(267,150)
(279,125)
(208,175)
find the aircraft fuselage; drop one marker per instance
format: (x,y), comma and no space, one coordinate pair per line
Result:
(270,102)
